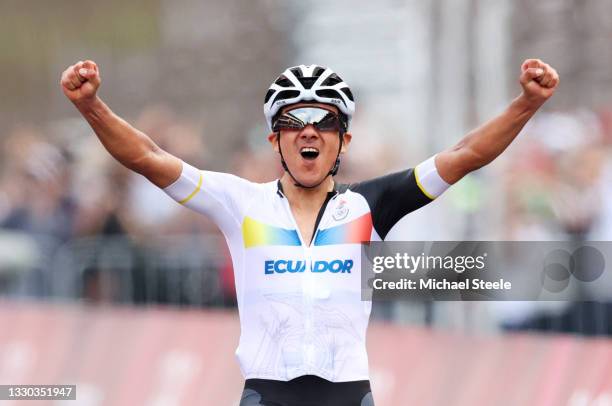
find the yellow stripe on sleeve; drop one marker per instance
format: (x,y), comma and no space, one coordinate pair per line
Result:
(416,176)
(195,192)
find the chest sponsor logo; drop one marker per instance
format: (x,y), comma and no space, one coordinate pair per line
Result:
(295,266)
(341,211)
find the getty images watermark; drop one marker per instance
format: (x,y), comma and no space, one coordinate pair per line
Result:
(482,270)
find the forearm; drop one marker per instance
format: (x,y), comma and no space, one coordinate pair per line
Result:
(132,148)
(488,141)
(126,144)
(485,143)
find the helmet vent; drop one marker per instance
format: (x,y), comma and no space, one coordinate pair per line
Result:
(297,72)
(282,81)
(333,79)
(286,94)
(318,71)
(268,95)
(330,94)
(307,82)
(348,93)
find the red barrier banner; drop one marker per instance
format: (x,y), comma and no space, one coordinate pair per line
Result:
(166,357)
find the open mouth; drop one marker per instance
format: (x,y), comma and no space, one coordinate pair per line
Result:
(309,153)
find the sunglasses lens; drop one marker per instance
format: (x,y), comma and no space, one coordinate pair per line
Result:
(296,119)
(309,115)
(287,122)
(329,123)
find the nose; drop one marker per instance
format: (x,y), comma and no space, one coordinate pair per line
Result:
(309,132)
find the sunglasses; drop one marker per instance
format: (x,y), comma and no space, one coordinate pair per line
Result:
(297,119)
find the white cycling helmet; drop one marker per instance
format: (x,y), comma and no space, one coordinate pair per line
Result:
(309,83)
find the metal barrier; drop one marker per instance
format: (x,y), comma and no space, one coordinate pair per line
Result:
(179,269)
(187,270)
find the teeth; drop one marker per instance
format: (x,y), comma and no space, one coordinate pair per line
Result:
(309,149)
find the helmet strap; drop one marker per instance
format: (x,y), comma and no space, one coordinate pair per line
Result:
(333,171)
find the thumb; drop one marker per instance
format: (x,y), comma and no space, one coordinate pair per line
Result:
(531,74)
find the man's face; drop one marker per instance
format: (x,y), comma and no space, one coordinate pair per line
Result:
(309,153)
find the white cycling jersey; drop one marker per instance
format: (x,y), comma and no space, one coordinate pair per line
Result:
(299,301)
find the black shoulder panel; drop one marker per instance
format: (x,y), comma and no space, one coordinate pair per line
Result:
(391,197)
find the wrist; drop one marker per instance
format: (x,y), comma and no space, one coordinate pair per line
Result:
(88,105)
(523,104)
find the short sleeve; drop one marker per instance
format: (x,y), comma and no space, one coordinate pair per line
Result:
(222,197)
(429,180)
(392,196)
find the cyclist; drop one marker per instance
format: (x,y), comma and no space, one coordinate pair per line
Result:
(295,242)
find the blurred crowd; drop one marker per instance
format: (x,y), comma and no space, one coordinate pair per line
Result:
(62,194)
(59,188)
(557,181)
(558,177)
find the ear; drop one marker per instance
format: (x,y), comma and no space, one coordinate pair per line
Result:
(273,139)
(346,140)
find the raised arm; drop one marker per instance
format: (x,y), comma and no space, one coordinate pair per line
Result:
(482,145)
(132,148)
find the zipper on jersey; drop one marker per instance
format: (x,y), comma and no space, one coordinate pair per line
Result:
(307,299)
(329,196)
(307,345)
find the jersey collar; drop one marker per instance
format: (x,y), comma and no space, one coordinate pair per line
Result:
(281,192)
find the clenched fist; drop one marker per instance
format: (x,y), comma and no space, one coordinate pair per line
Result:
(80,82)
(539,80)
